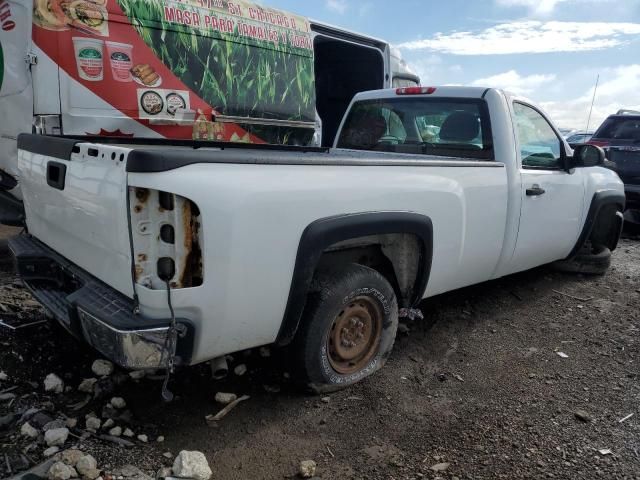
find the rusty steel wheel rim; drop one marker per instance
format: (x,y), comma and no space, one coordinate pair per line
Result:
(354,336)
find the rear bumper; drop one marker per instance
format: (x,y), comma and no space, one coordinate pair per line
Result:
(95,312)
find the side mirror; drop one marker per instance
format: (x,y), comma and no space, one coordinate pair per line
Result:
(588,156)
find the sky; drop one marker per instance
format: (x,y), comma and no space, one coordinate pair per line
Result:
(550,51)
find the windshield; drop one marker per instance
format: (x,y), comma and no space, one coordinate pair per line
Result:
(617,128)
(418,125)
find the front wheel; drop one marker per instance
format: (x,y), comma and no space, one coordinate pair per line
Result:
(348,330)
(591,260)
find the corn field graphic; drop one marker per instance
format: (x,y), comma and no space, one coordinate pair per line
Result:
(237,76)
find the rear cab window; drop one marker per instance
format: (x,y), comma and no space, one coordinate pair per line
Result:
(447,127)
(620,128)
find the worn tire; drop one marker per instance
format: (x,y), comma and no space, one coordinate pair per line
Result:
(590,261)
(335,300)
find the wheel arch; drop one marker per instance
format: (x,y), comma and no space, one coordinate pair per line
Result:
(322,234)
(607,229)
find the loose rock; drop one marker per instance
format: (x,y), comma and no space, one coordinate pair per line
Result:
(128,433)
(87,466)
(49,452)
(3,377)
(192,465)
(160,439)
(108,424)
(440,467)
(307,468)
(115,431)
(143,438)
(87,385)
(60,471)
(71,422)
(137,375)
(28,431)
(240,370)
(583,416)
(118,402)
(56,437)
(54,424)
(93,423)
(53,383)
(102,368)
(71,456)
(225,398)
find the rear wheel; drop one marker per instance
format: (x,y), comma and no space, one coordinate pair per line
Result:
(349,328)
(591,260)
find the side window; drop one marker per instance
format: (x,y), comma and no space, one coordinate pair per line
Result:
(539,145)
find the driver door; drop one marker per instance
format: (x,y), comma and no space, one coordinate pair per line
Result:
(552,199)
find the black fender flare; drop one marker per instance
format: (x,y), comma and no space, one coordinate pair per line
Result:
(600,200)
(323,233)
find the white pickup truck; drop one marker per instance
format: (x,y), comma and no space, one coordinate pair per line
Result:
(160,253)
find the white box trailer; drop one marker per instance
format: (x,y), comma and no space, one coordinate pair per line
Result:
(189,69)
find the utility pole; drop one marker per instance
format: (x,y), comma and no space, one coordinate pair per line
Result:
(595,90)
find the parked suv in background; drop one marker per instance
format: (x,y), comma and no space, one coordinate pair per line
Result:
(619,135)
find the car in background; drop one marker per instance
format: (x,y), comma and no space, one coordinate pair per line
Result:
(566,132)
(619,135)
(579,138)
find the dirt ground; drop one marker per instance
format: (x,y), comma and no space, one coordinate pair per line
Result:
(479,384)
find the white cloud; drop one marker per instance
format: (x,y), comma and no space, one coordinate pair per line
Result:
(618,89)
(542,7)
(546,7)
(338,6)
(530,37)
(514,82)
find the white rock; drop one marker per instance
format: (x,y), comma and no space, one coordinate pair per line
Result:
(307,468)
(53,383)
(192,465)
(160,439)
(240,370)
(71,422)
(56,437)
(109,423)
(87,385)
(60,471)
(128,433)
(143,438)
(93,423)
(118,402)
(440,467)
(102,368)
(28,431)
(137,375)
(3,377)
(87,466)
(71,456)
(51,451)
(225,398)
(115,431)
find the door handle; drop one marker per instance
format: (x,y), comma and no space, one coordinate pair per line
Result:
(535,191)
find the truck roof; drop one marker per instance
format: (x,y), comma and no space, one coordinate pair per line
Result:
(445,91)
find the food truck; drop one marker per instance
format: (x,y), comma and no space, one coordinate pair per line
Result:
(230,71)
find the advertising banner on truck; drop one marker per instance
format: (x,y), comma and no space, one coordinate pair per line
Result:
(176,65)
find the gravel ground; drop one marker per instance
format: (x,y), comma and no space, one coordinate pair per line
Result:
(476,390)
